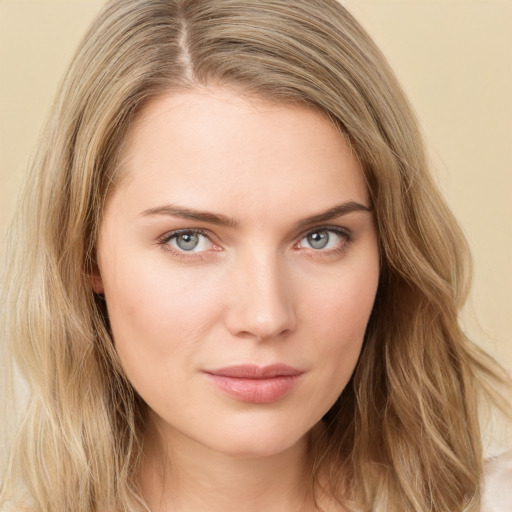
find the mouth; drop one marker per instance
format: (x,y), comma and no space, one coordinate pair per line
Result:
(255,384)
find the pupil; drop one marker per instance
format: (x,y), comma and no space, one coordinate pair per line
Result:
(318,240)
(188,241)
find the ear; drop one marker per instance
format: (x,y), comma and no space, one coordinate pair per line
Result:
(96,280)
(97,283)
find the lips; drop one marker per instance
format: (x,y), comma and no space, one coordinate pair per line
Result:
(255,384)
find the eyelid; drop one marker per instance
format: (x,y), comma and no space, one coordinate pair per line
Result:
(176,232)
(345,234)
(163,242)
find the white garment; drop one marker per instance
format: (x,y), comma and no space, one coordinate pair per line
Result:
(497,491)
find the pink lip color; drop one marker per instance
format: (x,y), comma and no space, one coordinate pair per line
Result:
(255,384)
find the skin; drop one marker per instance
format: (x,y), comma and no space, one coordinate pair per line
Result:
(254,290)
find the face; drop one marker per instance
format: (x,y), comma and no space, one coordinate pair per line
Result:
(239,262)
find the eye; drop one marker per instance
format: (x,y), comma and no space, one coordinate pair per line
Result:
(324,240)
(188,241)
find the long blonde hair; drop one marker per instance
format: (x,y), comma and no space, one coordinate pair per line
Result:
(404,434)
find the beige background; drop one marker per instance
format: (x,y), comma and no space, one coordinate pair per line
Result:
(454,58)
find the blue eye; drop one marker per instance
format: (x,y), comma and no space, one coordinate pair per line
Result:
(324,239)
(189,241)
(318,240)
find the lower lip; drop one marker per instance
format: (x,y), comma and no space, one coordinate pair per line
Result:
(255,391)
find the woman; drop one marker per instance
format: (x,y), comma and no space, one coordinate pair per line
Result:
(235,285)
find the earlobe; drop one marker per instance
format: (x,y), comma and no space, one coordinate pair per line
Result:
(97,283)
(95,278)
(94,275)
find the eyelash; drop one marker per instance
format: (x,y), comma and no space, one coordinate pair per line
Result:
(164,240)
(344,234)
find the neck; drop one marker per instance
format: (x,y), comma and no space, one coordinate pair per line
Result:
(187,476)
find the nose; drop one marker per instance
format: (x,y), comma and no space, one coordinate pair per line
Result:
(261,299)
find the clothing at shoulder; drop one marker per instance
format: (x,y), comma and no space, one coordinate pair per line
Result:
(497,490)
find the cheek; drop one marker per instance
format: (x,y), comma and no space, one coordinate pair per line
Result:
(338,316)
(156,315)
(341,307)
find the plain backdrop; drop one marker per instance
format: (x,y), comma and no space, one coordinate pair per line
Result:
(454,59)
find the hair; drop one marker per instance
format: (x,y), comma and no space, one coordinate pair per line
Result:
(404,434)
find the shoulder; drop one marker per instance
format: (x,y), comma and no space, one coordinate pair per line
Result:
(13,507)
(497,484)
(17,501)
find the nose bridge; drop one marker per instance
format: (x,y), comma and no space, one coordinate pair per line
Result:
(262,302)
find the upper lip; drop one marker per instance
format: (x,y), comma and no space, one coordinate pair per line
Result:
(252,371)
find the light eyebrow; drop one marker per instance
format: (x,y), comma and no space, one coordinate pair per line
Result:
(333,213)
(191,214)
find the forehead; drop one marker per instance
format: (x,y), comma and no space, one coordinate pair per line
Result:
(212,147)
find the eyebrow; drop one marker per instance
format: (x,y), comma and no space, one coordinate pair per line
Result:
(191,214)
(182,212)
(334,212)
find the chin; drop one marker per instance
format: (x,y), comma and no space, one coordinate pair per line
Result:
(256,448)
(255,443)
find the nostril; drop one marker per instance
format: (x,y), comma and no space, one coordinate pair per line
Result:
(261,303)
(261,331)
(277,322)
